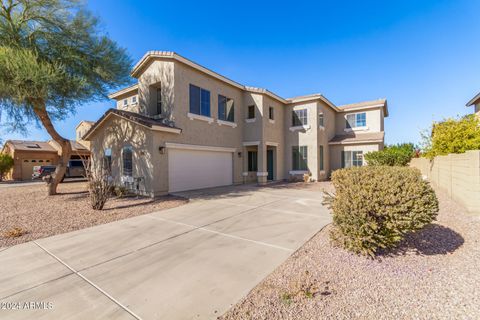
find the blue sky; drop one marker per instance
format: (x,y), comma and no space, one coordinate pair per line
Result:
(423,56)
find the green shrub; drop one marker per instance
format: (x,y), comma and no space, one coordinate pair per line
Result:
(375,207)
(6,163)
(394,155)
(452,136)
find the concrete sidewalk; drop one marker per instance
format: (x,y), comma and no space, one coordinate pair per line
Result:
(193,261)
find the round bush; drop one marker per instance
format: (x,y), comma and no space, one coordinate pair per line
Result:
(374,207)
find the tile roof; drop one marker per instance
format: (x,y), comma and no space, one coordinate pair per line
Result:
(357,138)
(131,116)
(26,145)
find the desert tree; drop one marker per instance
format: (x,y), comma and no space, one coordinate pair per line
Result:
(54,57)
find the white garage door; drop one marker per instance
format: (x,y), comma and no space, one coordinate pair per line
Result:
(196,169)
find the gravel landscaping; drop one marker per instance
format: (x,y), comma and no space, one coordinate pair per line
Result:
(28,209)
(434,274)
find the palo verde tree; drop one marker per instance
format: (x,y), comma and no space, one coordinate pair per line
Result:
(53,57)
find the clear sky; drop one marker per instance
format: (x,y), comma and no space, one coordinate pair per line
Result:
(423,56)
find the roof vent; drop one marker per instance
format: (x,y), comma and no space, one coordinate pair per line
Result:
(33,146)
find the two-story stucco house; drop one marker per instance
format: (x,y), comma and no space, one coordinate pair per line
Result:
(183,127)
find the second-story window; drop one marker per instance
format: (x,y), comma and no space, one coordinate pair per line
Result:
(134,100)
(270,113)
(159,100)
(125,103)
(199,101)
(226,111)
(251,112)
(321,120)
(356,120)
(299,118)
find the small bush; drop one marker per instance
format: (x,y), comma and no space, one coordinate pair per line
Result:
(394,155)
(6,163)
(120,191)
(15,232)
(375,207)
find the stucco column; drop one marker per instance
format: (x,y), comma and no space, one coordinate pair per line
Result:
(262,163)
(245,164)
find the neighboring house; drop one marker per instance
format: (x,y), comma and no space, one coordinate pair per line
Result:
(28,154)
(80,131)
(183,126)
(475,102)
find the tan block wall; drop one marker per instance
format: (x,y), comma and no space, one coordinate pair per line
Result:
(457,174)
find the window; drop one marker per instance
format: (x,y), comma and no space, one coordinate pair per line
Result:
(352,159)
(76,163)
(355,120)
(107,160)
(225,109)
(321,120)
(199,101)
(134,100)
(322,166)
(127,157)
(251,112)
(159,100)
(252,161)
(270,113)
(299,118)
(299,158)
(125,102)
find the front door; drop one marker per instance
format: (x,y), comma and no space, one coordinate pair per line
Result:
(270,164)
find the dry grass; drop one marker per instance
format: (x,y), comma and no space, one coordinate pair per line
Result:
(37,215)
(434,274)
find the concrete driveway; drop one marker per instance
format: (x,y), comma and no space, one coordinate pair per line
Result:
(189,262)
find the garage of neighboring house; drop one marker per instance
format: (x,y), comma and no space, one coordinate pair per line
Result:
(195,167)
(28,154)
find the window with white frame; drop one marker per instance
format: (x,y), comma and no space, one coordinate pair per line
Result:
(107,159)
(125,102)
(299,118)
(252,161)
(352,159)
(299,158)
(134,100)
(356,120)
(199,101)
(321,120)
(127,161)
(226,111)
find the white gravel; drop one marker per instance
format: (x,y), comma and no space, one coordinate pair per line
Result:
(435,274)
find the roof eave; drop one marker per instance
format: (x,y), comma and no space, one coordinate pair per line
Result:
(356,142)
(474,100)
(123,91)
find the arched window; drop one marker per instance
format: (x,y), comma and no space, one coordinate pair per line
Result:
(127,160)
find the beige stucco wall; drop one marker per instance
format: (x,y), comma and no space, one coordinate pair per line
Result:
(477,109)
(457,174)
(374,120)
(115,133)
(80,131)
(336,152)
(20,155)
(132,107)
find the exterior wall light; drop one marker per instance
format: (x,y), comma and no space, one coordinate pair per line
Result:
(161,149)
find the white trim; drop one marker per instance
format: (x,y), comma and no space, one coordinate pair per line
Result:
(226,123)
(269,143)
(304,127)
(321,127)
(171,145)
(357,142)
(297,172)
(262,174)
(251,120)
(271,121)
(166,129)
(195,116)
(365,128)
(358,108)
(251,143)
(245,173)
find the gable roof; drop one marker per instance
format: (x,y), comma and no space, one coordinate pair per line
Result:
(27,145)
(366,105)
(474,100)
(123,91)
(353,138)
(137,118)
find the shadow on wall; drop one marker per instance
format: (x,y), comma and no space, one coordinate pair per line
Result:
(121,134)
(434,239)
